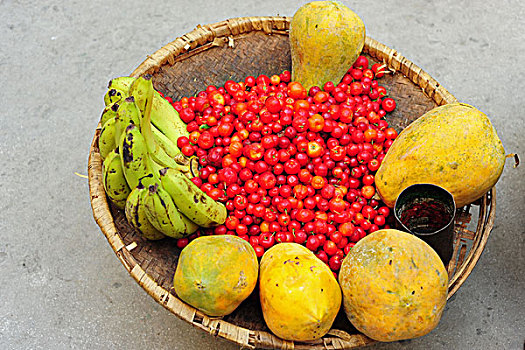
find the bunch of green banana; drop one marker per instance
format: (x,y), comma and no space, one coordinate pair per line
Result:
(125,102)
(144,171)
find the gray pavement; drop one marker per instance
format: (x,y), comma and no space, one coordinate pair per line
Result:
(61,286)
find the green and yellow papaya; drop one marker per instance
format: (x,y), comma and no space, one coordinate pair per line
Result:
(215,274)
(453,146)
(326,37)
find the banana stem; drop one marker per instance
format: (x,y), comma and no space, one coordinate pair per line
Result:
(146,117)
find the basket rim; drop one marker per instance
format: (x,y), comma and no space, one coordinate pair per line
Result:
(194,42)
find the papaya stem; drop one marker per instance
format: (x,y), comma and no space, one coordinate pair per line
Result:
(516,159)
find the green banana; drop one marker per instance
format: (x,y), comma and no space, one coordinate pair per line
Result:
(134,156)
(166,144)
(187,170)
(109,112)
(128,110)
(135,213)
(118,90)
(115,184)
(163,116)
(155,167)
(127,113)
(191,200)
(139,90)
(121,83)
(166,118)
(191,226)
(106,139)
(114,95)
(164,216)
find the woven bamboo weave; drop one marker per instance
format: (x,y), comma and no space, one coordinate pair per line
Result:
(234,49)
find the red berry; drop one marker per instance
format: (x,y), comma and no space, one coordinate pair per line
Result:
(388,104)
(182,242)
(259,251)
(330,247)
(273,104)
(334,263)
(312,243)
(361,62)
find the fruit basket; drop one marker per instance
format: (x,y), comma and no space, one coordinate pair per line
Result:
(234,49)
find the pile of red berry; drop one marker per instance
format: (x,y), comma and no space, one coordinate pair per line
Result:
(292,165)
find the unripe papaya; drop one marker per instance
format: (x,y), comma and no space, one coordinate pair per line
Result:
(299,294)
(326,37)
(216,273)
(453,146)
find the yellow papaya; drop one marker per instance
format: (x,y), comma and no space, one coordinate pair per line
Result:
(216,273)
(326,37)
(394,286)
(299,294)
(453,146)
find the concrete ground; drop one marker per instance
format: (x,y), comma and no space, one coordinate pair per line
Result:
(61,285)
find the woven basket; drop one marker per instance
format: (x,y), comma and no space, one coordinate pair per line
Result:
(234,49)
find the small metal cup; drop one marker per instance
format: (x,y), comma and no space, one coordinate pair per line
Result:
(428,211)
